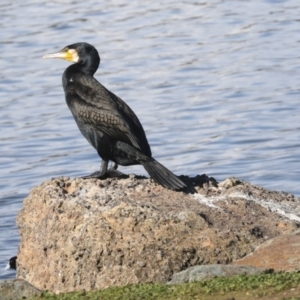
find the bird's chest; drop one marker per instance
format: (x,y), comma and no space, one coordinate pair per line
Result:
(72,95)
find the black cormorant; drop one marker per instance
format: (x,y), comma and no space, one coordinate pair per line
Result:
(105,120)
(12,263)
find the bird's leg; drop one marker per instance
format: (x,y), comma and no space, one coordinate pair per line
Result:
(101,173)
(103,167)
(114,166)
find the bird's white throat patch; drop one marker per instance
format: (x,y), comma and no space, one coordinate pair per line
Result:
(75,56)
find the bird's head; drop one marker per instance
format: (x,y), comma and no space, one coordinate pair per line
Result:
(80,53)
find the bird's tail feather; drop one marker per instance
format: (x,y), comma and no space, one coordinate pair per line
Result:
(162,175)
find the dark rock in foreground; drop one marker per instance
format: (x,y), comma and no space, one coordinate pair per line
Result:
(87,234)
(15,289)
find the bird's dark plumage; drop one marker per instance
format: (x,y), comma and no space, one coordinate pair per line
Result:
(105,120)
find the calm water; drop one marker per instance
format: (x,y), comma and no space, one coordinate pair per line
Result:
(216,85)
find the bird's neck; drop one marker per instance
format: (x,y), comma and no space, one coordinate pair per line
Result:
(88,64)
(85,68)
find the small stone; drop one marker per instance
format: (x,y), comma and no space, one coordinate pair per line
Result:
(281,254)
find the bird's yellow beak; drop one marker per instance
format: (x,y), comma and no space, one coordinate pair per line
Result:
(67,54)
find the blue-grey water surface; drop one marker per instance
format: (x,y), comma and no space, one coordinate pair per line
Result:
(214,83)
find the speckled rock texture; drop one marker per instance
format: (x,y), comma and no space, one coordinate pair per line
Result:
(87,233)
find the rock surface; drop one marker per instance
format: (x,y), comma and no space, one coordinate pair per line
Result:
(15,289)
(198,273)
(281,254)
(86,234)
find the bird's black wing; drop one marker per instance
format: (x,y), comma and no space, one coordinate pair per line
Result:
(97,107)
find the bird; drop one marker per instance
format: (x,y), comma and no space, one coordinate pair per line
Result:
(105,120)
(12,263)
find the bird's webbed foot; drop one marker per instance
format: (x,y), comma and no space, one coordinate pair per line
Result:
(113,172)
(105,173)
(97,174)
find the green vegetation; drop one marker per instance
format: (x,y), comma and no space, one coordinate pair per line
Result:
(268,285)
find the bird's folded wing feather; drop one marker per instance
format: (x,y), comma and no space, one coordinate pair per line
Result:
(101,109)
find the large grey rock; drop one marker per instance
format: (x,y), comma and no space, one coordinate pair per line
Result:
(198,273)
(16,289)
(87,234)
